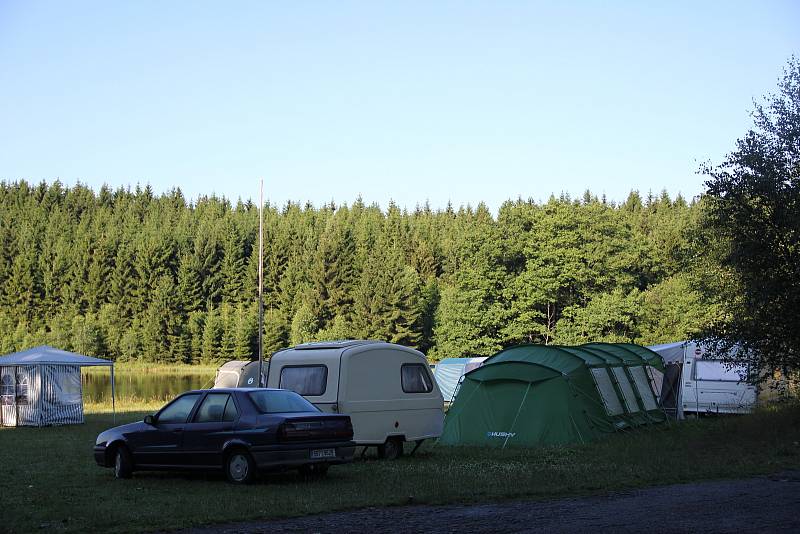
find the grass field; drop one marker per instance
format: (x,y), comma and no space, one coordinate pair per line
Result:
(50,481)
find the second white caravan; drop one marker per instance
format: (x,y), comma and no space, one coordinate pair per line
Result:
(696,383)
(386,389)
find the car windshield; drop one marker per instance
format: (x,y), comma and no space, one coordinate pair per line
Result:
(281,402)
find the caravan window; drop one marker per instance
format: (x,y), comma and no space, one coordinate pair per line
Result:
(7,388)
(310,380)
(415,378)
(719,371)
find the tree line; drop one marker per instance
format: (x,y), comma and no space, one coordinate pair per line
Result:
(131,275)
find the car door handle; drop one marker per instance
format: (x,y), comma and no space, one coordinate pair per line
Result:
(176,430)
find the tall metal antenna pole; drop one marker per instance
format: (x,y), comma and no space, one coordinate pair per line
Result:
(261,284)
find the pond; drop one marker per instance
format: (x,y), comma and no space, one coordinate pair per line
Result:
(142,385)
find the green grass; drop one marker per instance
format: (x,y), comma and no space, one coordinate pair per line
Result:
(50,480)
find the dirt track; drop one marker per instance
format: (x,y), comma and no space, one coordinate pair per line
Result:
(763,504)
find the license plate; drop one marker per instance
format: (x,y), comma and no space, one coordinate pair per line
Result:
(323,453)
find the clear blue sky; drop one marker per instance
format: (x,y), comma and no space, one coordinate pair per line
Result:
(411,101)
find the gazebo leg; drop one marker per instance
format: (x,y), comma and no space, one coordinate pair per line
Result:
(113,396)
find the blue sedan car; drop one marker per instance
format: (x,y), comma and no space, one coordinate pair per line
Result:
(239,430)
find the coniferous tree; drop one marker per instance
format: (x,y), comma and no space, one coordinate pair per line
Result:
(276,332)
(212,336)
(333,273)
(233,265)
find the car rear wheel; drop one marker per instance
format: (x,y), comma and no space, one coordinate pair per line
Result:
(391,450)
(240,467)
(123,463)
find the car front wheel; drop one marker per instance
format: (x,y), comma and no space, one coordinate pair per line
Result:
(240,467)
(123,463)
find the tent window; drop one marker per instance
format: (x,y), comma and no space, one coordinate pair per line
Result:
(657,381)
(607,392)
(472,366)
(22,390)
(627,389)
(415,378)
(643,385)
(311,380)
(68,387)
(227,379)
(7,390)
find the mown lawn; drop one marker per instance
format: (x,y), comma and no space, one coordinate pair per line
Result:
(50,482)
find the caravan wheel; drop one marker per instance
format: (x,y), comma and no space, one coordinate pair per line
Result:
(391,450)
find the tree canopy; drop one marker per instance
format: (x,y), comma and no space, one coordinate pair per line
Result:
(751,234)
(131,275)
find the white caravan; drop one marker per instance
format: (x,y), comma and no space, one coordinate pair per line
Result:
(386,389)
(696,383)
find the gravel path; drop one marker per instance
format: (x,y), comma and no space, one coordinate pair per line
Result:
(762,504)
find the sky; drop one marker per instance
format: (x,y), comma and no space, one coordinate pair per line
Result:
(414,102)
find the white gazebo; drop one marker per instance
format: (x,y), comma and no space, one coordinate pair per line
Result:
(42,386)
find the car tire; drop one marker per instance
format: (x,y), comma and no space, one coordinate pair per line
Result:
(391,450)
(123,462)
(240,467)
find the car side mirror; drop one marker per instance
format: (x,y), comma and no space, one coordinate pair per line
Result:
(149,420)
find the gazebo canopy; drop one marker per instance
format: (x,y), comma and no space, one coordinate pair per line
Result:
(49,381)
(47,355)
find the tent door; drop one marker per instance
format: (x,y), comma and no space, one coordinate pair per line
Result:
(670,389)
(8,404)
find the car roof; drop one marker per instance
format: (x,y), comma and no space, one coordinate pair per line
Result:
(231,390)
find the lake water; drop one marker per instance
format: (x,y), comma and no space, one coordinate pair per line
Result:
(141,385)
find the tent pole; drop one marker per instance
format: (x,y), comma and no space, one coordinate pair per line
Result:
(113,395)
(514,423)
(261,283)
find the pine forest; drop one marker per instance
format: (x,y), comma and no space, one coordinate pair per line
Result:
(131,275)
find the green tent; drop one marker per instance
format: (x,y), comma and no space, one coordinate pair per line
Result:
(553,395)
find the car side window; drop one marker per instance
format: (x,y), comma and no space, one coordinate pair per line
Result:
(414,378)
(178,411)
(212,408)
(231,413)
